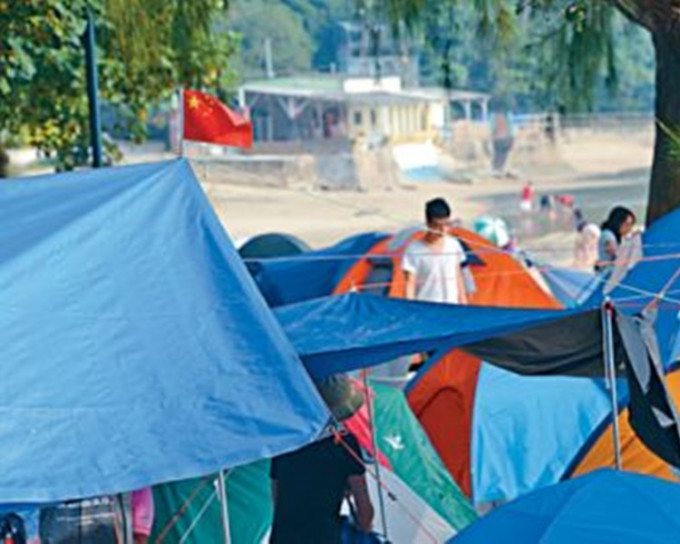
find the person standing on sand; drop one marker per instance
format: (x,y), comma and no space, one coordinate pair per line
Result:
(527,203)
(433,266)
(615,229)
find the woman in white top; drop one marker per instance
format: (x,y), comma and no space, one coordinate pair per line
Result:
(618,225)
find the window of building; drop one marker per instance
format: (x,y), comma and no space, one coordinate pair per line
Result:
(358,118)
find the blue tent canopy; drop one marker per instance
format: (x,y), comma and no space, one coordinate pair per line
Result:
(348,332)
(604,506)
(136,347)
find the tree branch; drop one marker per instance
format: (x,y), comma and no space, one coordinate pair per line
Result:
(637,12)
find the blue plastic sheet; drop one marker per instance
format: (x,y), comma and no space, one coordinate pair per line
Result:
(136,349)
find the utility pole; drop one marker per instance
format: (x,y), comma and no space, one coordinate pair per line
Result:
(93,91)
(268,61)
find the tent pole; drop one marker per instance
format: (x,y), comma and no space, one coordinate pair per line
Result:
(610,374)
(374,440)
(224,510)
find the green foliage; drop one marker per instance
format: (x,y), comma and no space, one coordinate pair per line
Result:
(673,140)
(303,34)
(146,49)
(259,20)
(40,71)
(570,54)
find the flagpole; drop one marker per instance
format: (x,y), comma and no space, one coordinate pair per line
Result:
(180,116)
(224,510)
(610,376)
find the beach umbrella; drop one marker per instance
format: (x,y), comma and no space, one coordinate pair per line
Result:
(605,506)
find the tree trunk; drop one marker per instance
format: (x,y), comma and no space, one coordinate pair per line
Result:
(4,162)
(664,190)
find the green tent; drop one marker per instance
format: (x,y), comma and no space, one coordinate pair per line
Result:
(413,459)
(193,511)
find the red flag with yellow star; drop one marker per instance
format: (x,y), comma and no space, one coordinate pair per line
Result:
(207,120)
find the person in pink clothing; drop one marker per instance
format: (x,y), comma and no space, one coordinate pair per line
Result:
(142,514)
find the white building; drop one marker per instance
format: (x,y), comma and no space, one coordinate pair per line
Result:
(325,107)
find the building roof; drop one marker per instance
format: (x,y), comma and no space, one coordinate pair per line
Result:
(454,94)
(330,87)
(322,83)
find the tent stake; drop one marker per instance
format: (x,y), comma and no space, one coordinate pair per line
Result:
(374,439)
(610,375)
(224,510)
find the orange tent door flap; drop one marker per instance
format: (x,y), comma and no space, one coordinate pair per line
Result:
(443,401)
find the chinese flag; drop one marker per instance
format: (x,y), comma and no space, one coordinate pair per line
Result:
(207,120)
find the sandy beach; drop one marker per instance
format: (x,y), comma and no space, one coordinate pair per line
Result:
(599,170)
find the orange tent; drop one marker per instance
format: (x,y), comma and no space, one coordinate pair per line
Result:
(501,280)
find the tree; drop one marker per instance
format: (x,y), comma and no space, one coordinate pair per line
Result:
(583,44)
(146,48)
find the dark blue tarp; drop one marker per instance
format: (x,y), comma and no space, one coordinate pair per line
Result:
(314,274)
(136,348)
(348,332)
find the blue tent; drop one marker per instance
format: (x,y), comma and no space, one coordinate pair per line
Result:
(570,287)
(602,507)
(311,275)
(529,432)
(272,244)
(136,347)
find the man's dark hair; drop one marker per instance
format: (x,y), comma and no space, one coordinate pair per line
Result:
(437,208)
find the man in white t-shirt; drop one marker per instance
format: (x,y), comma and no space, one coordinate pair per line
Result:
(432,266)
